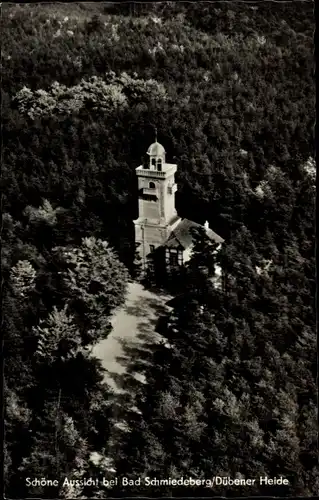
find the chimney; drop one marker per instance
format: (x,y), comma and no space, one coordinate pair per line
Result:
(206,225)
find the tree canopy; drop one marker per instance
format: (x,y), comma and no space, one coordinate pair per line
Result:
(230,88)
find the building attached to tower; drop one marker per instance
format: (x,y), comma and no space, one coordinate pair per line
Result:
(158,229)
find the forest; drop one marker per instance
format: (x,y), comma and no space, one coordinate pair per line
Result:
(231,390)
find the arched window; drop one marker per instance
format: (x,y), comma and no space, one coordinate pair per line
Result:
(151,185)
(153,162)
(159,164)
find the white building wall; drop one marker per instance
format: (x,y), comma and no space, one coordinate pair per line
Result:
(187,254)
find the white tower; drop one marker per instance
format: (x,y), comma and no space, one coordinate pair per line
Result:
(157,216)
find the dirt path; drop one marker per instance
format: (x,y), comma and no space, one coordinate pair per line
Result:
(124,355)
(133,325)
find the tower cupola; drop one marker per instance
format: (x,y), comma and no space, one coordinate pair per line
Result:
(156,155)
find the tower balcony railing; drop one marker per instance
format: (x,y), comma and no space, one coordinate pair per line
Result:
(151,191)
(150,173)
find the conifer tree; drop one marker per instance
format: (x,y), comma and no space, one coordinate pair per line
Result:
(216,345)
(57,337)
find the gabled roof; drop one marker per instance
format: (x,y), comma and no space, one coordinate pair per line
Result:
(182,235)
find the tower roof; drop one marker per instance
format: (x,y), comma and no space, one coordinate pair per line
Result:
(156,149)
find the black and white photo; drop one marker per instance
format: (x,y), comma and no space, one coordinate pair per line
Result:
(158,249)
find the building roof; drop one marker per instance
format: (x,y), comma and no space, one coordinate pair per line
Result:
(156,149)
(182,236)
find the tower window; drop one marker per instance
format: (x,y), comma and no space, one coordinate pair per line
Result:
(180,257)
(151,185)
(153,162)
(159,165)
(146,164)
(173,258)
(152,248)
